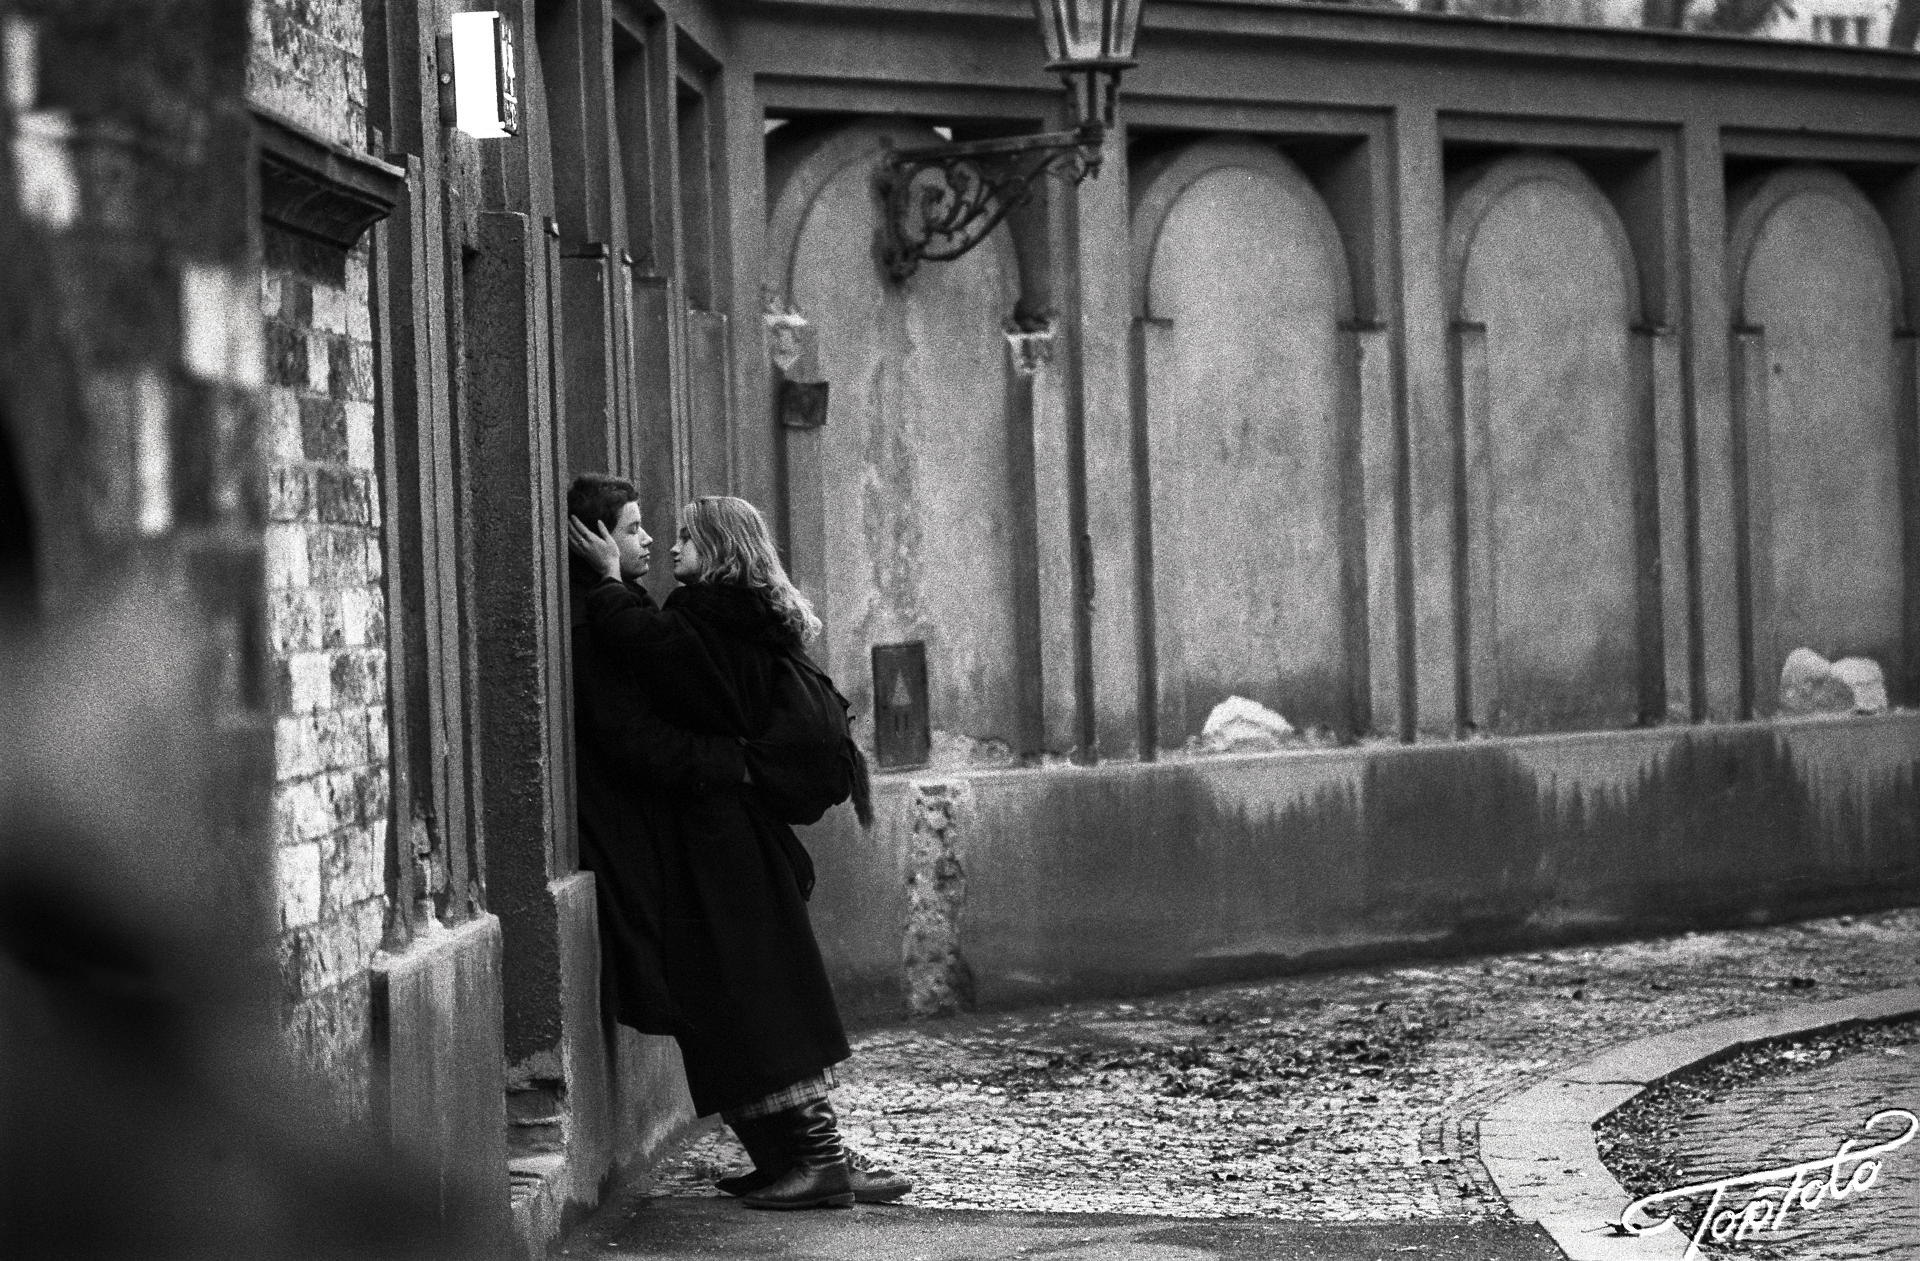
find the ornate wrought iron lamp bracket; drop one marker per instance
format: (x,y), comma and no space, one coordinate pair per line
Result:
(942,200)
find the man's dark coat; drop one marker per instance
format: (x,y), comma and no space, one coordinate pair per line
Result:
(632,769)
(724,883)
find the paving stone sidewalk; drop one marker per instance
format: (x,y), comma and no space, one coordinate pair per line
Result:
(1781,1121)
(1344,1097)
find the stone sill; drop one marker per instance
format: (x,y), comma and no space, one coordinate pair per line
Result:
(317,188)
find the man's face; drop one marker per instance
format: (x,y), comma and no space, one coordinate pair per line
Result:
(633,541)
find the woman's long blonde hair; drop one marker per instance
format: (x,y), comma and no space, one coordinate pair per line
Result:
(736,548)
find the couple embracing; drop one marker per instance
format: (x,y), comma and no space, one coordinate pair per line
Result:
(702,885)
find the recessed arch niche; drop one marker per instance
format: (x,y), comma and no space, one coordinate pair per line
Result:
(1245,303)
(1819,345)
(1557,586)
(902,511)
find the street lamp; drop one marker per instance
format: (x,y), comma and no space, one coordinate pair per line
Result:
(942,200)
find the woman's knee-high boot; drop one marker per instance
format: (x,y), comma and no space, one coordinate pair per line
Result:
(818,1177)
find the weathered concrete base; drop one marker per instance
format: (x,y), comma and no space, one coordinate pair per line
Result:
(860,901)
(1128,878)
(1538,1145)
(652,1111)
(589,1124)
(651,1115)
(436,1012)
(554,1187)
(625,1101)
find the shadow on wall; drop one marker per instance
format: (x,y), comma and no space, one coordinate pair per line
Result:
(147,1110)
(1716,825)
(1204,872)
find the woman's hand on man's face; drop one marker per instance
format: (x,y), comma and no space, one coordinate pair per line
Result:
(595,546)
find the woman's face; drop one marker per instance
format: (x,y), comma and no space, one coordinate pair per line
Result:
(686,557)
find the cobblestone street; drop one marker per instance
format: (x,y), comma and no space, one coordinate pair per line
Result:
(1352,1096)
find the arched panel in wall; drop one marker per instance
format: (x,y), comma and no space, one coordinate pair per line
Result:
(1555,453)
(917,530)
(1250,440)
(1819,299)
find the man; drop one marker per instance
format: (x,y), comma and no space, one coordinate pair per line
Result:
(630,768)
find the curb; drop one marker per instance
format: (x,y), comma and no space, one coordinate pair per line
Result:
(1538,1145)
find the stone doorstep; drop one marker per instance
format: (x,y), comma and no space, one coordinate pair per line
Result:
(538,1187)
(1538,1145)
(538,1202)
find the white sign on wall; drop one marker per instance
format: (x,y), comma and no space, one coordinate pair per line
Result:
(485,84)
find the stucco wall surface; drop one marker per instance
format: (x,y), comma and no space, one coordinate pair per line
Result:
(1823,291)
(1549,426)
(1500,418)
(859,904)
(1247,395)
(1078,881)
(918,541)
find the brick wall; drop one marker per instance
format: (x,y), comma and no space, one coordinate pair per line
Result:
(327,629)
(326,611)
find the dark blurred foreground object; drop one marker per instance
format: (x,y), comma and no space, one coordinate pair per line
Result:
(146,1109)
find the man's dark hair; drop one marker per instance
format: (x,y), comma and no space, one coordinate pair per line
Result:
(599,497)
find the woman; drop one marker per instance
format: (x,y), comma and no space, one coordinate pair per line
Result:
(758,1027)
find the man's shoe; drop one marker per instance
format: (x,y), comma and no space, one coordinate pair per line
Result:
(805,1186)
(819,1177)
(743,1181)
(874,1184)
(765,1141)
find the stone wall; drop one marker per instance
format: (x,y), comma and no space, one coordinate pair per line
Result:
(327,613)
(309,66)
(327,628)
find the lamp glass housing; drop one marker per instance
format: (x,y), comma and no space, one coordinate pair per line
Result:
(1088,34)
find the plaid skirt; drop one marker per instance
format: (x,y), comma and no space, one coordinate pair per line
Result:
(806,1090)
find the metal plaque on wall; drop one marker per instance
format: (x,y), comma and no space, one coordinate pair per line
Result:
(802,404)
(902,733)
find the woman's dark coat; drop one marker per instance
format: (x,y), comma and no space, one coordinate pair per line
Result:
(754,1011)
